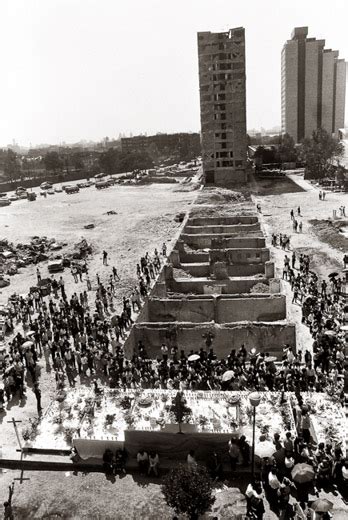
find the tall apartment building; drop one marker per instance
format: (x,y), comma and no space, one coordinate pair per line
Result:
(313,86)
(223,106)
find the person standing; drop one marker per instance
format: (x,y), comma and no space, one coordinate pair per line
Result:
(8,511)
(37,393)
(233,452)
(105,258)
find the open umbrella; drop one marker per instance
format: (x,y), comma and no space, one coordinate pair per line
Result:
(330,333)
(30,332)
(228,375)
(27,344)
(264,449)
(193,357)
(270,359)
(321,505)
(302,473)
(332,275)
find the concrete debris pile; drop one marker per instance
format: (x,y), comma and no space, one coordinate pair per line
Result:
(260,288)
(80,251)
(13,257)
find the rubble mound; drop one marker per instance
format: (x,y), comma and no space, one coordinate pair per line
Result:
(260,288)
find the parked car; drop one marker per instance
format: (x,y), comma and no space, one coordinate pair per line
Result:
(55,266)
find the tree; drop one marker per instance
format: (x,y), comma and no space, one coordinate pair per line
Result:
(116,161)
(267,155)
(77,160)
(319,152)
(53,162)
(287,150)
(179,409)
(12,168)
(189,490)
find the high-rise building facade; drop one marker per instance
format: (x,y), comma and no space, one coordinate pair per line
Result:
(313,86)
(223,106)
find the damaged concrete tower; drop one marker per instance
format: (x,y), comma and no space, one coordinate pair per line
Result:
(223,106)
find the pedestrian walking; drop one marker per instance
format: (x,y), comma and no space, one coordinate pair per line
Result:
(105,258)
(37,393)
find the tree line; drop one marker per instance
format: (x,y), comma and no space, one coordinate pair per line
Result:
(113,160)
(321,154)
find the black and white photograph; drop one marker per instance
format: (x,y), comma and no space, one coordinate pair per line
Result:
(173,260)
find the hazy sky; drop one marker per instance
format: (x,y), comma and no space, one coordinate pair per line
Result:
(85,69)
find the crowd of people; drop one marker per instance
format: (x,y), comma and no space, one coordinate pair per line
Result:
(80,343)
(323,311)
(76,336)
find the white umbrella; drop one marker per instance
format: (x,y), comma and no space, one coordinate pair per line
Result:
(330,333)
(193,357)
(264,449)
(228,375)
(27,344)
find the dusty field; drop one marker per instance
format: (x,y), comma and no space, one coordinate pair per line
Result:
(145,218)
(273,186)
(330,231)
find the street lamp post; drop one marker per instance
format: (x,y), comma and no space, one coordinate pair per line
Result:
(254,399)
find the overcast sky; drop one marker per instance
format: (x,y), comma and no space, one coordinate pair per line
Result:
(85,69)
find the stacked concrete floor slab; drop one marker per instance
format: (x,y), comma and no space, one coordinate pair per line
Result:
(219,279)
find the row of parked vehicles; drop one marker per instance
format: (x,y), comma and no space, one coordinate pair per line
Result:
(20,193)
(46,188)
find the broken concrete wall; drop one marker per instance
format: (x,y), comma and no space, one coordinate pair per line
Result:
(222,241)
(228,221)
(205,269)
(263,308)
(264,337)
(221,309)
(196,311)
(240,256)
(229,286)
(222,229)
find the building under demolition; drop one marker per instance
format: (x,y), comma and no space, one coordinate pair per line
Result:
(223,106)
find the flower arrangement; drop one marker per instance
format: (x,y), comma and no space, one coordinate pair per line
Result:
(69,434)
(29,433)
(129,419)
(126,403)
(202,420)
(109,419)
